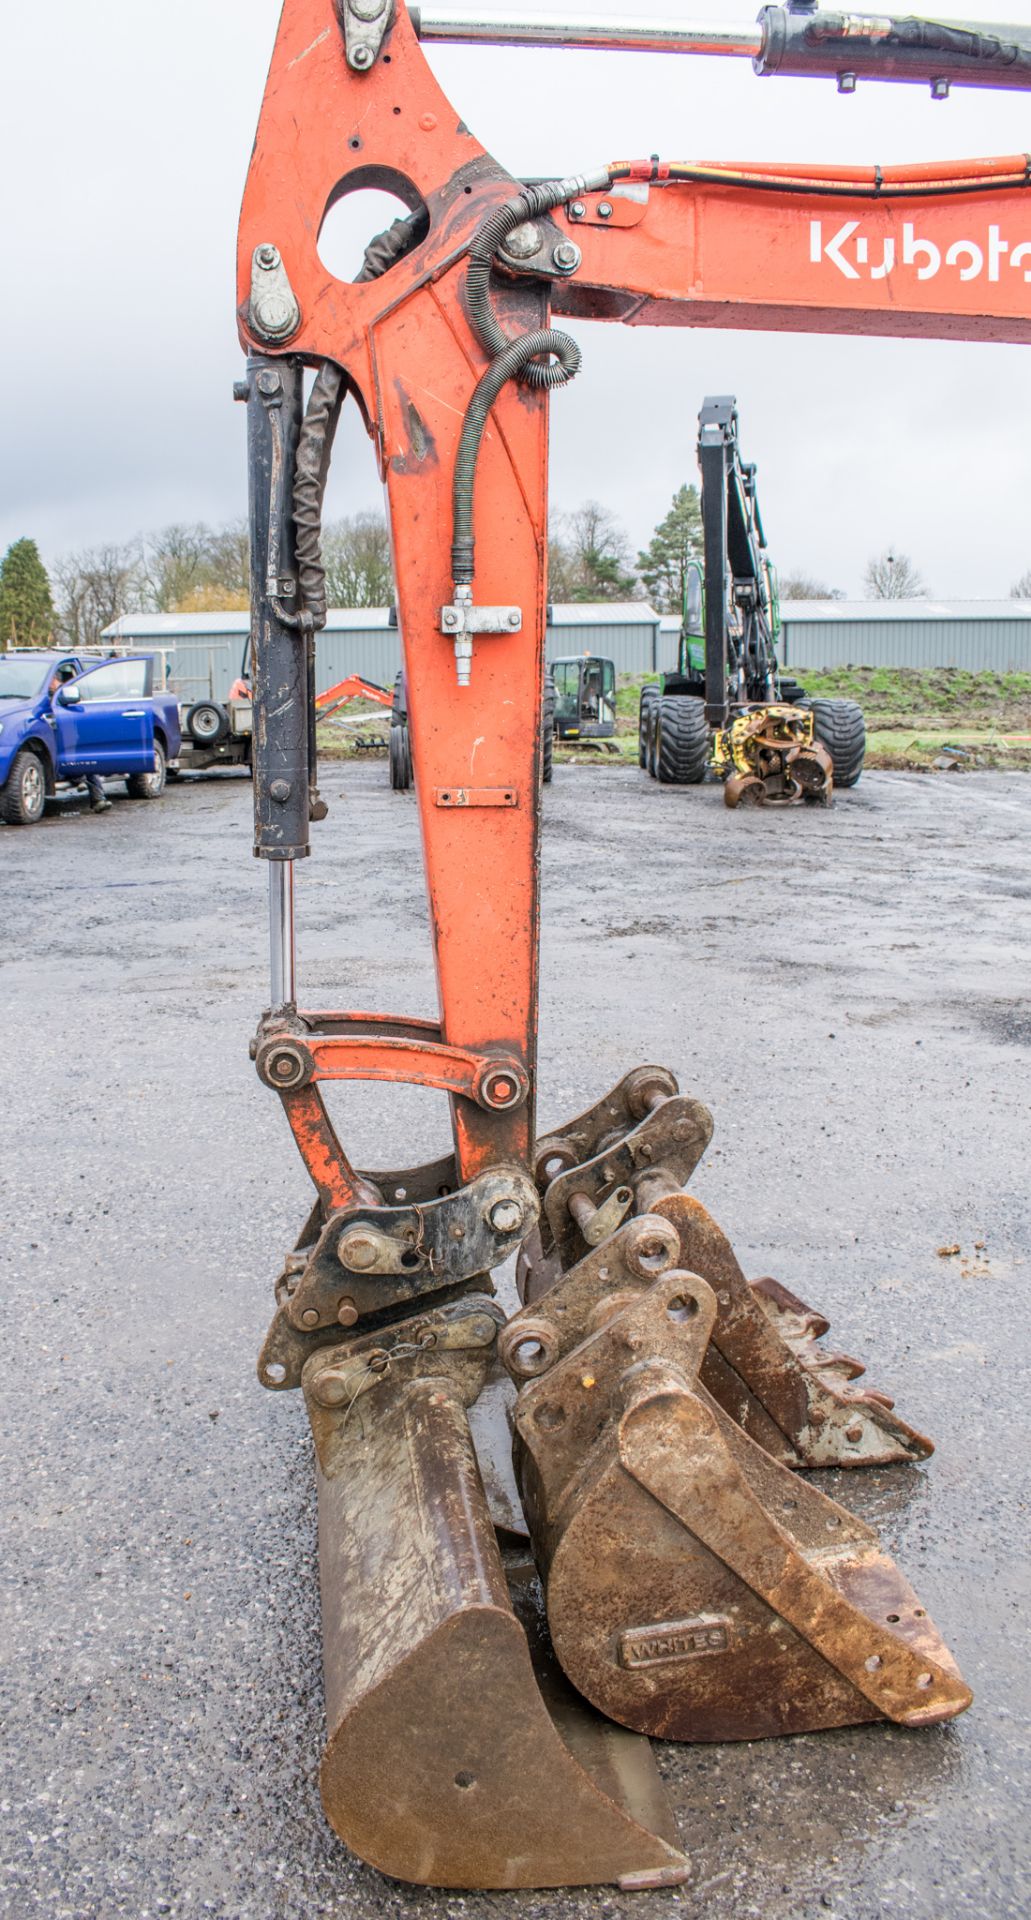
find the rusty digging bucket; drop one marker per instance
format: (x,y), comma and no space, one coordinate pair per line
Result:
(696,1588)
(452,1759)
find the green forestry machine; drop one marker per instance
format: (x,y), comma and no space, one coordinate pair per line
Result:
(728,708)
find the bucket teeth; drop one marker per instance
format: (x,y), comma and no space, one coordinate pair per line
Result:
(449,1762)
(696,1590)
(765,1368)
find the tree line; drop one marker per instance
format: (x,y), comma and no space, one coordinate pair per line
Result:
(198,568)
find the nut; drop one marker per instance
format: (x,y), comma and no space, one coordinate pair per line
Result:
(605,209)
(566,256)
(577,210)
(361,57)
(268,257)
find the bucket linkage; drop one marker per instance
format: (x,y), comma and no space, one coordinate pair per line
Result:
(692,1585)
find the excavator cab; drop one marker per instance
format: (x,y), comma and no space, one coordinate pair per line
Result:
(585,697)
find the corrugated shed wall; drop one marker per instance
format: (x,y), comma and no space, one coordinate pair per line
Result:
(632,647)
(976,646)
(206,666)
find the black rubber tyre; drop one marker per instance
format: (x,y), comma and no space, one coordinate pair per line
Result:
(400,757)
(840,727)
(148,786)
(649,695)
(548,731)
(651,728)
(24,793)
(207,723)
(682,743)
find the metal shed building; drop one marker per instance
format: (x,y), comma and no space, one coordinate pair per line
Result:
(206,649)
(979,636)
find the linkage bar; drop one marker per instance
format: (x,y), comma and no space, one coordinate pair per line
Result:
(478,26)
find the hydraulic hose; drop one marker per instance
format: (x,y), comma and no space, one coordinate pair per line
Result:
(528,204)
(516,356)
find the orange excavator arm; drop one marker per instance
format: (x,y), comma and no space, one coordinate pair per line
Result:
(446,341)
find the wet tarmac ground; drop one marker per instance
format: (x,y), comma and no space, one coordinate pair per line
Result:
(848,992)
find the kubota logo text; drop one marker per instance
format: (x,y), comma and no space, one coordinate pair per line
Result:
(858,257)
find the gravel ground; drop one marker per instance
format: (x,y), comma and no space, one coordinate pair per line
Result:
(847,991)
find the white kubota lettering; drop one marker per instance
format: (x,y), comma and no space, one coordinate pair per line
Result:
(849,249)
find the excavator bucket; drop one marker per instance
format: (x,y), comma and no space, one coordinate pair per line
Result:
(457,1756)
(696,1589)
(631,1153)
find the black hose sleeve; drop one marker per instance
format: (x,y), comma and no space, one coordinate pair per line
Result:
(390,246)
(515,356)
(311,471)
(528,204)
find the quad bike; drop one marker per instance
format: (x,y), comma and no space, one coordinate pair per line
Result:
(488,1714)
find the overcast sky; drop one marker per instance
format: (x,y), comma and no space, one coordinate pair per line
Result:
(124,140)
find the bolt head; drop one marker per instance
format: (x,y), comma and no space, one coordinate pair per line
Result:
(515,618)
(268,257)
(347,1313)
(310,1317)
(269,381)
(329,1389)
(523,242)
(361,57)
(241,390)
(577,210)
(280,791)
(566,256)
(854,1434)
(506,1216)
(274,314)
(450,617)
(357,1251)
(605,209)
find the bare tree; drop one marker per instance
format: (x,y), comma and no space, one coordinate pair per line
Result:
(892,576)
(802,586)
(94,587)
(174,564)
(1021,589)
(356,556)
(590,557)
(228,559)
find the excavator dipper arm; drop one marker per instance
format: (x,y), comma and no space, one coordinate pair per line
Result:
(384,1309)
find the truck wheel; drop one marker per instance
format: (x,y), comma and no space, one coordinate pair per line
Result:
(147,786)
(207,723)
(840,727)
(548,731)
(649,695)
(682,744)
(400,757)
(23,796)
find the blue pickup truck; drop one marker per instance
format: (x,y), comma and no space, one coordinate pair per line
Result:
(64,716)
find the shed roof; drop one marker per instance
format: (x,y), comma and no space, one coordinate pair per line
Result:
(859,610)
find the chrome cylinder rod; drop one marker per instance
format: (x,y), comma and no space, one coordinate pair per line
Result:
(478,26)
(282,939)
